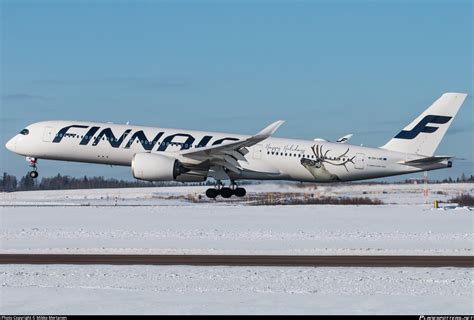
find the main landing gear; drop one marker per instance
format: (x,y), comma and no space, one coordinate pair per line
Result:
(225,192)
(34,169)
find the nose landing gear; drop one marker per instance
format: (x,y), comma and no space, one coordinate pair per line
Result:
(225,192)
(34,169)
(33,174)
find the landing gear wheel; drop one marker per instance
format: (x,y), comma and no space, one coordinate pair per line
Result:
(240,192)
(34,169)
(33,174)
(212,193)
(226,193)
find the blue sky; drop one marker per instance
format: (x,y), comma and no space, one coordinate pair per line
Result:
(327,67)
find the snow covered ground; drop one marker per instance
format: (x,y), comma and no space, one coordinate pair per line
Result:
(388,193)
(177,226)
(76,222)
(233,290)
(210,229)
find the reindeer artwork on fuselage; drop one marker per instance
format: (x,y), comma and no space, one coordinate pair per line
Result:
(317,167)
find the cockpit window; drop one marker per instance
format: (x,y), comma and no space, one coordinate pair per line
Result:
(24,132)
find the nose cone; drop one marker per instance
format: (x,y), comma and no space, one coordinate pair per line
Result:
(11,144)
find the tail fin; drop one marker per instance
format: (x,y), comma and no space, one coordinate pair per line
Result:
(420,136)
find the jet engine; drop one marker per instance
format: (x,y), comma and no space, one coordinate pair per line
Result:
(157,167)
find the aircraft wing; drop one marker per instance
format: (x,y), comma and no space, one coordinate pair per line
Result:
(228,154)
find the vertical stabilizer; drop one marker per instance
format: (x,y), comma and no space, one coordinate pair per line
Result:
(425,133)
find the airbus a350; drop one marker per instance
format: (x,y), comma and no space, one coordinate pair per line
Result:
(160,154)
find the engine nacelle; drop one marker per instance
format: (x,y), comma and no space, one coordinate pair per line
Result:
(156,167)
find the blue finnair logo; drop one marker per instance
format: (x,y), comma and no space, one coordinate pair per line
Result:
(422,126)
(97,135)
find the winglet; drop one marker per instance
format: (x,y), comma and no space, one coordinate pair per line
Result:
(268,131)
(345,138)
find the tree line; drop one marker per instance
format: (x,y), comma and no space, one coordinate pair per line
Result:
(10,183)
(462,178)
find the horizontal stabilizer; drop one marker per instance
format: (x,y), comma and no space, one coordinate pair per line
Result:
(425,161)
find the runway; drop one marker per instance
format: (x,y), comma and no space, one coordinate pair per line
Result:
(242,260)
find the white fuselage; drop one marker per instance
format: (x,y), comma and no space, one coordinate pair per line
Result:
(271,159)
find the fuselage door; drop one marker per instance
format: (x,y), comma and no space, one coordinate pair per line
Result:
(257,152)
(359,161)
(48,134)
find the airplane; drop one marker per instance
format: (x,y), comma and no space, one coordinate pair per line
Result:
(159,154)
